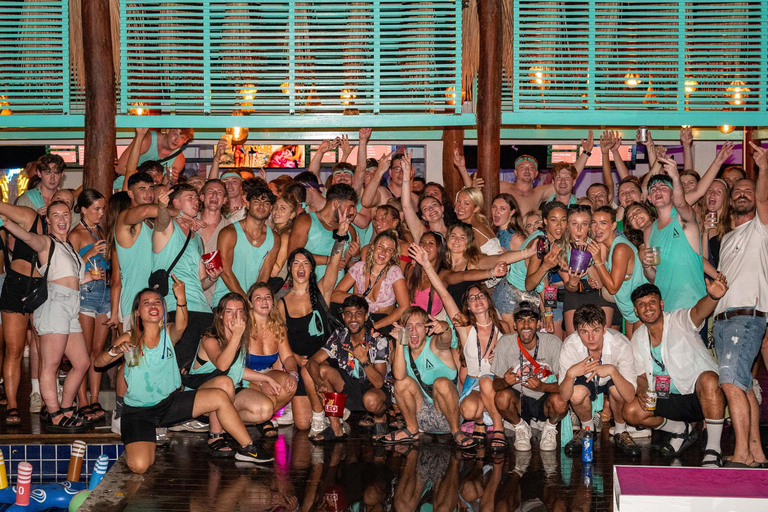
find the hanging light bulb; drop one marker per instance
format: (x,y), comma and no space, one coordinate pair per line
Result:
(450,93)
(690,86)
(537,75)
(726,128)
(239,135)
(248,93)
(738,93)
(632,80)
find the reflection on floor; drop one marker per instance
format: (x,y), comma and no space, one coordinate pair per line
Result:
(360,475)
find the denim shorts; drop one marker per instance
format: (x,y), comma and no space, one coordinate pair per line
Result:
(737,342)
(59,314)
(94,298)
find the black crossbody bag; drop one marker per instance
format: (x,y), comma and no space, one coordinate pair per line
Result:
(158,280)
(36,297)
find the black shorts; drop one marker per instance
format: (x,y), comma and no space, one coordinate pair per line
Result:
(354,389)
(592,386)
(679,408)
(532,408)
(139,423)
(15,288)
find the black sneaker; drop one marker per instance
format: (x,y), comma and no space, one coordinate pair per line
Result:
(626,444)
(253,453)
(573,446)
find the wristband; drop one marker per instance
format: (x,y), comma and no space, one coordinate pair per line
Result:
(181,305)
(110,352)
(713,298)
(338,237)
(548,314)
(588,153)
(295,375)
(601,263)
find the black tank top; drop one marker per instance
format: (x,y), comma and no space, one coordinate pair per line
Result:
(22,251)
(299,339)
(457,290)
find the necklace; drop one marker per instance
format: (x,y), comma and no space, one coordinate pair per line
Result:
(485,325)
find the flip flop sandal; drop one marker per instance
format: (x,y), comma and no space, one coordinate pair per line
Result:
(366,421)
(380,430)
(13,418)
(97,411)
(480,435)
(327,436)
(410,437)
(689,437)
(219,448)
(716,463)
(267,429)
(464,437)
(499,444)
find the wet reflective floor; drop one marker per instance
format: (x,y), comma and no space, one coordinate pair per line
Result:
(359,475)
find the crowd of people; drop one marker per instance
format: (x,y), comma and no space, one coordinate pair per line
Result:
(240,301)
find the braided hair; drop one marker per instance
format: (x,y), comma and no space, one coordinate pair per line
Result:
(316,299)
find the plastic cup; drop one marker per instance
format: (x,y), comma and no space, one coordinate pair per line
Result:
(334,404)
(579,260)
(132,357)
(212,260)
(655,255)
(404,336)
(651,403)
(95,270)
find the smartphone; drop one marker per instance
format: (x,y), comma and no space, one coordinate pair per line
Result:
(542,247)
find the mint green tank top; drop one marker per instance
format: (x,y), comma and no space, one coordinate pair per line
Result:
(187,269)
(622,297)
(247,261)
(235,371)
(155,377)
(571,200)
(151,154)
(429,365)
(517,271)
(680,276)
(135,266)
(319,241)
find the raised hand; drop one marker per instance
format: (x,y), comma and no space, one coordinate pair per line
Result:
(419,255)
(164,198)
(552,258)
(596,251)
(141,131)
(725,152)
(179,289)
(365,134)
(606,141)
(670,167)
(760,156)
(384,162)
(237,327)
(325,146)
(686,136)
(717,287)
(661,151)
(458,159)
(589,144)
(405,163)
(221,147)
(346,147)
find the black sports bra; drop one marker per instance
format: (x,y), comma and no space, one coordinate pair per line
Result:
(22,251)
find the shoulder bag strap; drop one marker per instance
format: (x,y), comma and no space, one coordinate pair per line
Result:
(178,256)
(426,388)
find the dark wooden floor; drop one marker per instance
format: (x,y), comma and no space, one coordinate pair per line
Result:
(361,475)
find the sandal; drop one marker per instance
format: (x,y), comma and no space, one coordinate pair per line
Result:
(391,438)
(716,463)
(267,429)
(68,425)
(480,435)
(499,444)
(380,430)
(467,441)
(366,421)
(219,447)
(13,418)
(97,411)
(327,436)
(85,413)
(689,437)
(396,420)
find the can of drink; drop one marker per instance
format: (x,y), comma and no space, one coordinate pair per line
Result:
(710,221)
(643,131)
(651,403)
(586,446)
(132,357)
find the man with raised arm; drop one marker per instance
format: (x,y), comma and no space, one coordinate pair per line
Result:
(166,148)
(740,316)
(529,197)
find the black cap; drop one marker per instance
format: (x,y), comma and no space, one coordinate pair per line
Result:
(527,308)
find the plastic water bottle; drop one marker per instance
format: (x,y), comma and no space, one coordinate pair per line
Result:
(586,446)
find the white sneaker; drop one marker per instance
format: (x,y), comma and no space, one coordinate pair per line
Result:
(597,419)
(548,441)
(575,421)
(758,391)
(35,402)
(507,425)
(634,432)
(190,426)
(287,417)
(522,437)
(161,435)
(345,415)
(115,428)
(318,425)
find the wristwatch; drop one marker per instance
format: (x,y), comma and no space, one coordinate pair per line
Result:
(588,153)
(364,365)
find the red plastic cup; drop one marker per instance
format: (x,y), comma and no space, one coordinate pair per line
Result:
(334,404)
(23,484)
(212,260)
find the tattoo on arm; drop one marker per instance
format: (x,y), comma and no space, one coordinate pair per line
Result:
(337,247)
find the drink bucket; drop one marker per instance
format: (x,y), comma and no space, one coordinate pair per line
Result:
(579,260)
(212,260)
(334,404)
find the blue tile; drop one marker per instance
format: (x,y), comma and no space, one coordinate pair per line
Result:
(62,466)
(33,452)
(49,451)
(93,451)
(111,451)
(63,451)
(18,451)
(120,449)
(49,467)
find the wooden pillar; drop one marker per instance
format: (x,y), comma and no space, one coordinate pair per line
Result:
(100,98)
(489,98)
(453,138)
(747,158)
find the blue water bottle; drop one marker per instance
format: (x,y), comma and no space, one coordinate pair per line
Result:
(586,446)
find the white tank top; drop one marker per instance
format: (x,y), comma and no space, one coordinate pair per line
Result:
(65,262)
(477,368)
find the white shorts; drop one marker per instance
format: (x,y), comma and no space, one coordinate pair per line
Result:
(58,314)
